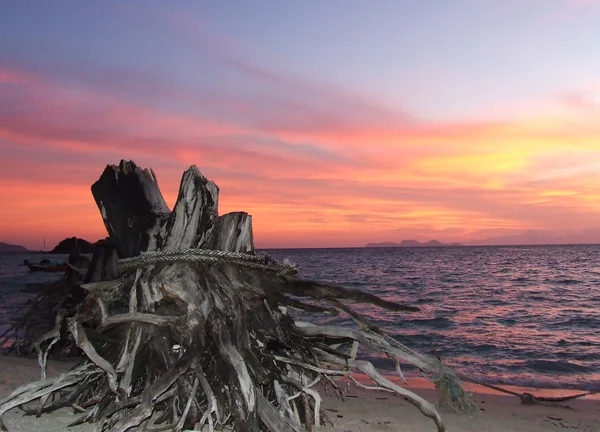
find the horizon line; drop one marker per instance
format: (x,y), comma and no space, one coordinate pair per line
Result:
(422,246)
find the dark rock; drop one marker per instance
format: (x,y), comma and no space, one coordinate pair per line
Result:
(69,245)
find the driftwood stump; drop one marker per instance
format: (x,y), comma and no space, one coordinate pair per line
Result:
(183,324)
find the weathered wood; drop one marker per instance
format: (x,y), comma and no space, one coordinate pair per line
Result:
(317,290)
(233,233)
(77,268)
(137,218)
(103,266)
(202,342)
(131,206)
(194,216)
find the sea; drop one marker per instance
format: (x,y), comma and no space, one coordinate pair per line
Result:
(519,315)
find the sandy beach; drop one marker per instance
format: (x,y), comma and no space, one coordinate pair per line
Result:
(364,411)
(361,411)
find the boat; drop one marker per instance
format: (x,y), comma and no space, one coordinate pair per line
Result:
(46,265)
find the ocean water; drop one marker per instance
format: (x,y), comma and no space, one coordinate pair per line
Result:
(525,315)
(13,277)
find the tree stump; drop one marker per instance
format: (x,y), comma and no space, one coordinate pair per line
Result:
(183,324)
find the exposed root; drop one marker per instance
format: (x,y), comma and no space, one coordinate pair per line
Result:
(54,336)
(299,367)
(174,381)
(197,333)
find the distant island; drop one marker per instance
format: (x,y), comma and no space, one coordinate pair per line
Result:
(6,248)
(68,245)
(411,243)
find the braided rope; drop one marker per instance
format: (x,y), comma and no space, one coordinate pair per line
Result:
(260,261)
(200,252)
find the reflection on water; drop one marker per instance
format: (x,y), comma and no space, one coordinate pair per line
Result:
(525,315)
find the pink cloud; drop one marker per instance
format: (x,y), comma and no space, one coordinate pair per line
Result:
(315,172)
(9,76)
(81,121)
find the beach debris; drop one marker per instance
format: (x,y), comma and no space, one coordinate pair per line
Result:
(183,325)
(531,399)
(451,393)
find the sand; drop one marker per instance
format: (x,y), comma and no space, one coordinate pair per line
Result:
(362,410)
(365,411)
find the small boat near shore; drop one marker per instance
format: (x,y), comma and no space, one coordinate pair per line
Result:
(47,265)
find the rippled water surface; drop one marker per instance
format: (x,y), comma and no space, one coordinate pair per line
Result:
(522,315)
(527,315)
(13,277)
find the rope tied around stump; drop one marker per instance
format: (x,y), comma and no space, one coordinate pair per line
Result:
(259,261)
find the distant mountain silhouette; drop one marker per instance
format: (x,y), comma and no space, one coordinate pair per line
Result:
(11,248)
(68,245)
(412,243)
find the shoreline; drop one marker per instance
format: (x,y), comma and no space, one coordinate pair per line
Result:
(362,410)
(365,411)
(425,384)
(412,383)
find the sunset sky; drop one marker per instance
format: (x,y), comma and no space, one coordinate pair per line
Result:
(333,123)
